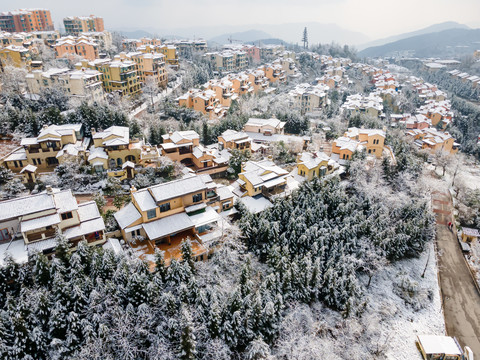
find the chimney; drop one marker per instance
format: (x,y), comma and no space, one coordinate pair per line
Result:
(44,127)
(133,189)
(49,190)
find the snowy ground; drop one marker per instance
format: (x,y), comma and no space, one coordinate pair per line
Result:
(387,329)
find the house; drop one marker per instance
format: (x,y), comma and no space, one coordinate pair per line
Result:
(164,215)
(113,149)
(434,140)
(51,147)
(34,221)
(264,126)
(343,149)
(258,80)
(231,139)
(224,92)
(204,101)
(359,104)
(372,139)
(185,147)
(262,178)
(316,164)
(227,60)
(309,98)
(470,235)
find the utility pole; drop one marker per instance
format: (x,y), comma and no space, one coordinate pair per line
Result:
(305,38)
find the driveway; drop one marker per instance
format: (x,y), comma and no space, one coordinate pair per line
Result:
(460,297)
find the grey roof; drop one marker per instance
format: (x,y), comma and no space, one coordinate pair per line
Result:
(88,211)
(40,222)
(176,188)
(25,205)
(127,216)
(168,225)
(85,228)
(144,200)
(65,201)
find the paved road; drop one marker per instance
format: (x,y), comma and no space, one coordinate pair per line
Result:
(460,297)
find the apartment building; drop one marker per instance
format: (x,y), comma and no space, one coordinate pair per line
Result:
(83,46)
(16,56)
(166,214)
(228,60)
(119,76)
(148,66)
(26,20)
(372,139)
(34,221)
(315,164)
(204,101)
(133,44)
(185,147)
(75,25)
(252,52)
(262,178)
(264,126)
(434,140)
(53,145)
(309,98)
(84,84)
(187,48)
(231,139)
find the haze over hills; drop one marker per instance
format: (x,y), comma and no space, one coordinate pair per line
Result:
(291,32)
(244,36)
(443,43)
(429,29)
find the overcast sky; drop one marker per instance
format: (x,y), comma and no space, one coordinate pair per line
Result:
(374,18)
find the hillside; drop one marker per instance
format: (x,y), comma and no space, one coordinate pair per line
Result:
(452,42)
(430,29)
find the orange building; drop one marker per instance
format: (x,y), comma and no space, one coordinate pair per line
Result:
(82,46)
(26,20)
(75,25)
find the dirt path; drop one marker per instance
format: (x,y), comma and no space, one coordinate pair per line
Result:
(460,298)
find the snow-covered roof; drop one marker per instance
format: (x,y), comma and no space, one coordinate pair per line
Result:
(265,122)
(439,344)
(258,173)
(168,225)
(127,215)
(121,135)
(25,205)
(86,227)
(205,217)
(40,222)
(175,188)
(256,204)
(232,135)
(29,168)
(312,160)
(88,211)
(65,201)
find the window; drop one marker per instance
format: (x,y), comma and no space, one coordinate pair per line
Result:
(135,233)
(152,213)
(369,151)
(197,197)
(67,215)
(165,207)
(4,235)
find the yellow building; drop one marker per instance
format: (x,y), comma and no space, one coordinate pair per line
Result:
(315,164)
(169,51)
(118,76)
(372,139)
(167,213)
(343,149)
(52,146)
(16,56)
(309,98)
(258,80)
(262,178)
(231,139)
(228,60)
(149,65)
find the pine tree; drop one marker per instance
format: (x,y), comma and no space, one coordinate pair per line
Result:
(187,338)
(305,38)
(187,254)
